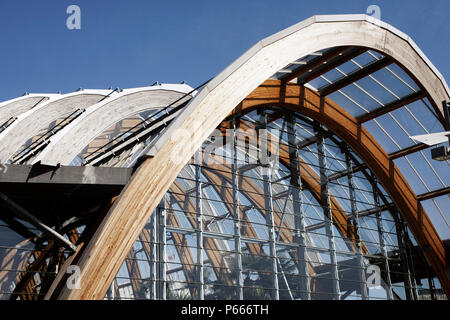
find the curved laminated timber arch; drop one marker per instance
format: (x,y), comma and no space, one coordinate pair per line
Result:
(64,147)
(80,117)
(11,109)
(66,107)
(309,177)
(309,103)
(244,85)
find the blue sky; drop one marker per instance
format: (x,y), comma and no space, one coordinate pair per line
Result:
(135,43)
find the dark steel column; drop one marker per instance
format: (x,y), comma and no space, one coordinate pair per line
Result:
(198,203)
(267,176)
(162,249)
(408,248)
(432,287)
(328,214)
(382,242)
(268,199)
(355,225)
(403,256)
(154,257)
(236,212)
(297,201)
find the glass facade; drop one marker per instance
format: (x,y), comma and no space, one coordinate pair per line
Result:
(274,205)
(304,222)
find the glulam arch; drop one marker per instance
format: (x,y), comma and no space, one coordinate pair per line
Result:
(65,146)
(140,198)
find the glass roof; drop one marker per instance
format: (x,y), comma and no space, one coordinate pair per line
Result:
(392,130)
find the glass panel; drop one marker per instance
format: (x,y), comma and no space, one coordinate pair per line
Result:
(437,210)
(237,224)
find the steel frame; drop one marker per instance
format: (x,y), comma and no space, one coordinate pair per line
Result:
(149,185)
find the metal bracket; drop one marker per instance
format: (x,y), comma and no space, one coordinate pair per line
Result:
(22,213)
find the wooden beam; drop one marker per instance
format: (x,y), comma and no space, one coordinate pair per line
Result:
(134,273)
(122,225)
(26,286)
(324,63)
(407,151)
(392,156)
(309,178)
(255,195)
(61,279)
(344,173)
(433,194)
(217,179)
(184,253)
(312,181)
(210,246)
(39,264)
(355,76)
(345,126)
(286,233)
(12,259)
(150,182)
(17,226)
(391,106)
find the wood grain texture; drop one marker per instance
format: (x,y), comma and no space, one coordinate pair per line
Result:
(327,112)
(121,227)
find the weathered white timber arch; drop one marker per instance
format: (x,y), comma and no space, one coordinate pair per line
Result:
(70,141)
(17,106)
(101,259)
(29,123)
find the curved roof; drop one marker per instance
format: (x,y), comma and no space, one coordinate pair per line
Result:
(64,146)
(31,121)
(14,107)
(398,84)
(376,74)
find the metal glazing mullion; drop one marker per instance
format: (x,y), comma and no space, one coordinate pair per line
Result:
(326,204)
(162,249)
(198,193)
(283,213)
(111,291)
(432,287)
(404,259)
(380,228)
(278,236)
(267,181)
(271,230)
(355,224)
(412,274)
(283,275)
(153,264)
(299,221)
(380,195)
(236,212)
